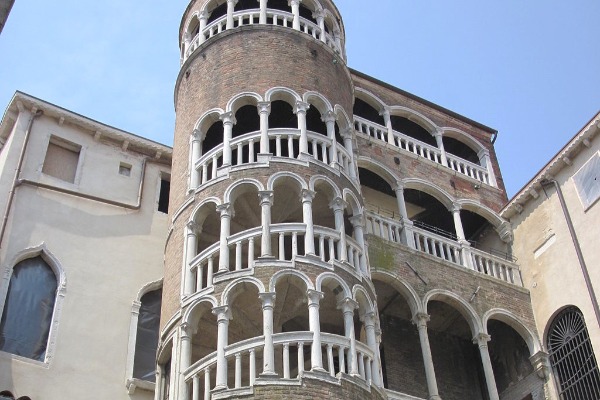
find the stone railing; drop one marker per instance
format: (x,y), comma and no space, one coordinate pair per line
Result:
(287,242)
(432,153)
(252,17)
(245,150)
(442,247)
(244,359)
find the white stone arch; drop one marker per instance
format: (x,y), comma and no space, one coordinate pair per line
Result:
(361,296)
(431,189)
(231,193)
(318,101)
(229,293)
(289,272)
(415,117)
(313,5)
(190,316)
(195,213)
(352,201)
(404,288)
(52,261)
(464,138)
(332,20)
(284,174)
(386,173)
(209,6)
(284,94)
(325,276)
(458,303)
(510,319)
(370,98)
(243,99)
(207,120)
(482,210)
(344,121)
(322,178)
(194,17)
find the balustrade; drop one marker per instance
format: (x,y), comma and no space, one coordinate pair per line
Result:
(385,228)
(497,267)
(243,357)
(432,153)
(245,150)
(252,17)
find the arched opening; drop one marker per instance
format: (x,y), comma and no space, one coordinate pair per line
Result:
(217,13)
(428,213)
(213,138)
(28,309)
(412,129)
(147,335)
(307,14)
(193,28)
(209,221)
(332,322)
(291,315)
(282,116)
(572,357)
(367,111)
(323,215)
(287,209)
(510,359)
(401,356)
(246,5)
(459,149)
(245,202)
(247,120)
(378,194)
(281,5)
(204,337)
(314,123)
(456,360)
(483,236)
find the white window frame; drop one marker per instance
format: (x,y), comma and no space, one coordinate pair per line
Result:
(31,252)
(130,382)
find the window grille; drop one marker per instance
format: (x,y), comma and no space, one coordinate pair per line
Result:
(572,357)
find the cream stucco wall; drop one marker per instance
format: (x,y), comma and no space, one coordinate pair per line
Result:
(546,252)
(108,253)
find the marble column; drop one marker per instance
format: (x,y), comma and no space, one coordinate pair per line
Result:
(481,341)
(191,250)
(226,211)
(268,304)
(230,9)
(228,122)
(266,202)
(348,306)
(300,110)
(421,320)
(223,314)
(295,4)
(264,110)
(314,299)
(307,217)
(369,321)
(338,205)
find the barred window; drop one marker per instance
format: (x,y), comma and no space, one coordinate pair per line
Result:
(572,357)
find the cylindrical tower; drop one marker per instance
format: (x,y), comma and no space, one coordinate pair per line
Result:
(267,284)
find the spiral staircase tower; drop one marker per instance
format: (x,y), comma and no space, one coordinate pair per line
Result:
(267,286)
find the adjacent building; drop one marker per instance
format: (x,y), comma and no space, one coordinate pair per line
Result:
(313,232)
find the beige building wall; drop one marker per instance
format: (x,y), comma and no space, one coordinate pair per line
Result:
(106,245)
(544,246)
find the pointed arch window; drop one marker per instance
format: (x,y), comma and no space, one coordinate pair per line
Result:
(28,309)
(572,357)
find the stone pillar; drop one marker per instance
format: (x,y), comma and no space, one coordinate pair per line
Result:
(266,202)
(202,17)
(421,320)
(160,383)
(186,358)
(264,109)
(320,17)
(369,321)
(195,177)
(191,250)
(187,39)
(295,4)
(481,341)
(226,212)
(223,316)
(268,303)
(337,37)
(338,205)
(329,120)
(300,110)
(358,224)
(228,122)
(347,136)
(307,217)
(263,12)
(407,233)
(387,118)
(439,139)
(314,298)
(230,9)
(348,306)
(460,235)
(486,162)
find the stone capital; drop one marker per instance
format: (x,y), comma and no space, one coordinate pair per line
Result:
(483,153)
(456,208)
(421,319)
(226,210)
(398,188)
(482,339)
(328,117)
(228,118)
(194,228)
(185,331)
(541,364)
(307,196)
(264,107)
(347,133)
(338,204)
(314,297)
(301,107)
(294,2)
(196,135)
(223,313)
(368,319)
(385,112)
(204,14)
(347,305)
(265,197)
(267,299)
(318,15)
(356,220)
(234,2)
(504,230)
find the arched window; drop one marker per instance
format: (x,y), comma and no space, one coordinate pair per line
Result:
(146,342)
(572,357)
(28,309)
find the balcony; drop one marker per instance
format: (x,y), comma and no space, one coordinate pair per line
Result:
(408,144)
(444,248)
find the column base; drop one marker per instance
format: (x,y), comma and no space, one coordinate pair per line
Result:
(268,376)
(436,397)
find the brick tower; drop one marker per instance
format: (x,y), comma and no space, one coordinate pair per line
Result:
(332,236)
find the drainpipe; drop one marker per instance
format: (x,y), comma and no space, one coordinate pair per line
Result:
(14,185)
(584,269)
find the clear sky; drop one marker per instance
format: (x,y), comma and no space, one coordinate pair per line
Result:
(528,68)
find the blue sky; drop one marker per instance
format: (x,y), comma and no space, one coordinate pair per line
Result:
(528,68)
